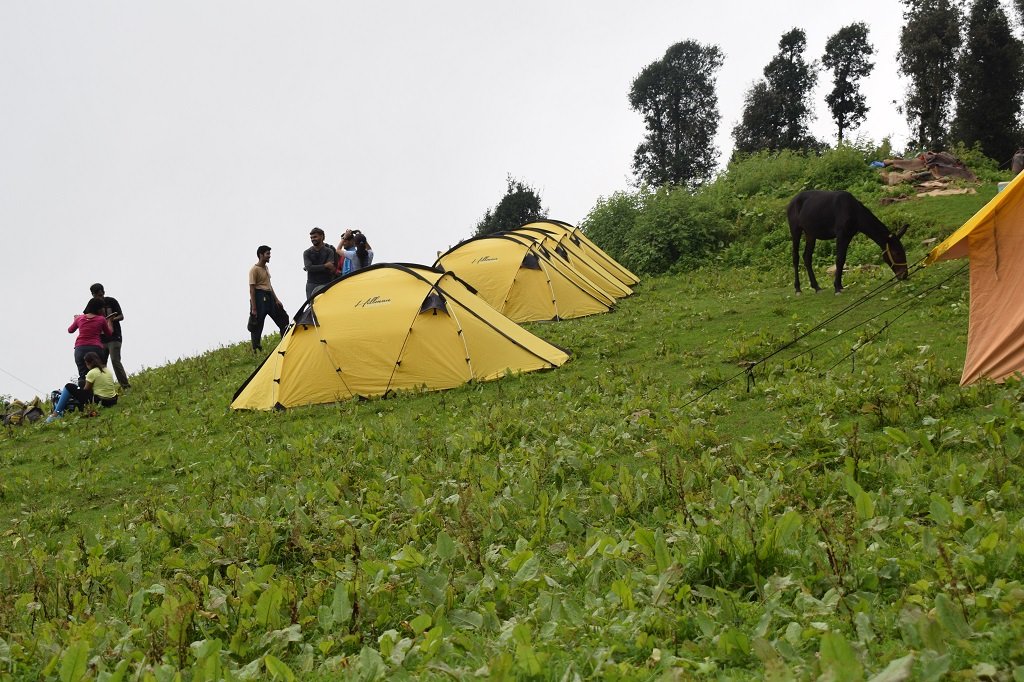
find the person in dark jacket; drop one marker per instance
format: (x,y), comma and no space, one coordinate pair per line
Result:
(112,342)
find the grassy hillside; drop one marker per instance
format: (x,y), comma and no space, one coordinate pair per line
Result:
(830,514)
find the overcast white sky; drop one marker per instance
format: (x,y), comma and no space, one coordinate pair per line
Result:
(151,146)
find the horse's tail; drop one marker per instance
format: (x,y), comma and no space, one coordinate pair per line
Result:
(793,209)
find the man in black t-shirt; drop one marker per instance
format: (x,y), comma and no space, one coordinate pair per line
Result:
(112,311)
(320,261)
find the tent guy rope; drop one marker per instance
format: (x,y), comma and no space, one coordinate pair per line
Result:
(748,368)
(22,381)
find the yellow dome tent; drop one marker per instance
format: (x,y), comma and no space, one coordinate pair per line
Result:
(578,258)
(576,236)
(391,327)
(523,280)
(993,241)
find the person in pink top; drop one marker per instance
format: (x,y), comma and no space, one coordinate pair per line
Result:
(89,325)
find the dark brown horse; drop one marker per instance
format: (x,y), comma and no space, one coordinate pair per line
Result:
(818,215)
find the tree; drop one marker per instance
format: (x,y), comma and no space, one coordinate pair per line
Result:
(848,57)
(761,125)
(676,97)
(520,205)
(777,110)
(991,82)
(793,79)
(929,43)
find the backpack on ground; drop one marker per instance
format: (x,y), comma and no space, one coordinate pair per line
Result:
(20,412)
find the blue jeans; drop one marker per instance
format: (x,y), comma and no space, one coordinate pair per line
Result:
(80,353)
(82,395)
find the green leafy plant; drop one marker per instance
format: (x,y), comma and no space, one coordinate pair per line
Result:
(650,509)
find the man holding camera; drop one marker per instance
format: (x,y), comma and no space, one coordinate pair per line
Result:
(112,342)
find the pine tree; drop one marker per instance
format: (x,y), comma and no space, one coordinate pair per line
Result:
(991,83)
(777,110)
(929,44)
(848,56)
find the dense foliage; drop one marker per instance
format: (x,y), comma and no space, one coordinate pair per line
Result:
(739,219)
(990,86)
(676,96)
(848,56)
(656,231)
(521,204)
(929,44)
(777,110)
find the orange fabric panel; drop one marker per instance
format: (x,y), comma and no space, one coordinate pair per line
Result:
(995,336)
(955,245)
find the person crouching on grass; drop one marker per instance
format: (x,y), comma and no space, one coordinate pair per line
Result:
(99,388)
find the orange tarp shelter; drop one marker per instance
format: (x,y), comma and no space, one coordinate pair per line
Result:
(993,242)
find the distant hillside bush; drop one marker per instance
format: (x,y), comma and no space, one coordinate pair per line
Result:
(739,219)
(659,230)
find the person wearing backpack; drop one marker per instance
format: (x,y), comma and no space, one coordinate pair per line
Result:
(363,256)
(346,248)
(90,325)
(99,388)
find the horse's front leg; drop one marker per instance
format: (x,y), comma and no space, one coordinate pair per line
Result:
(841,246)
(808,262)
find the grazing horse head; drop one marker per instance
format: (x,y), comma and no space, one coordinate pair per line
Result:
(895,256)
